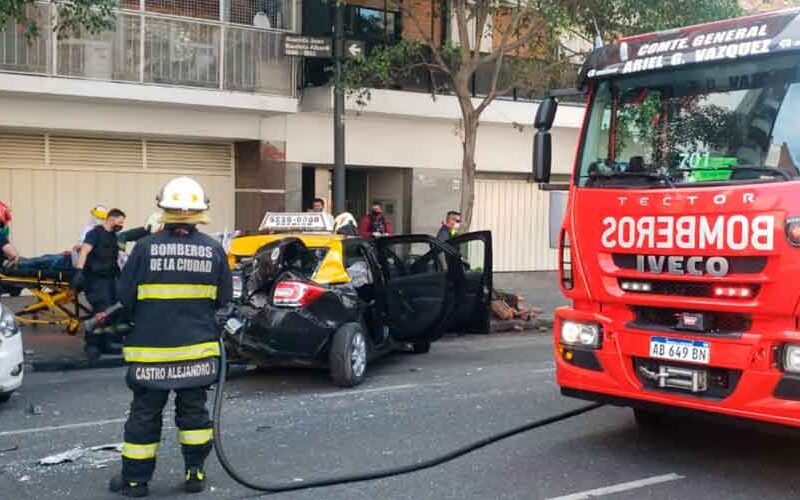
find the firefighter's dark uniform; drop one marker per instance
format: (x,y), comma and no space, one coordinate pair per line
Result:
(173,283)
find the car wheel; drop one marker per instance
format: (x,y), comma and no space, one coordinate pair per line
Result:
(421,347)
(4,396)
(348,356)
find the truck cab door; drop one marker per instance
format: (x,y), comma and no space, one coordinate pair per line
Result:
(471,312)
(419,276)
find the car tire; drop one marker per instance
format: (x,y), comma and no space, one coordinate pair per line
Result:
(348,355)
(5,396)
(421,347)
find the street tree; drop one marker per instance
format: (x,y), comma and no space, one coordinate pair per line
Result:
(520,44)
(71,17)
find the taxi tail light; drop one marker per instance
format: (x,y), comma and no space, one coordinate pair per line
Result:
(296,293)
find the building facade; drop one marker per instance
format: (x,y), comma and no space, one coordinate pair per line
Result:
(203,88)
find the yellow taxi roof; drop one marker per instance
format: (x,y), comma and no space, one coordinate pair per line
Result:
(330,270)
(245,246)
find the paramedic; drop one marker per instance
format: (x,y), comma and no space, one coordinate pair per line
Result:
(96,273)
(174,282)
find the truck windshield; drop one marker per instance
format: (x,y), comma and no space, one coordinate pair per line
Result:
(703,125)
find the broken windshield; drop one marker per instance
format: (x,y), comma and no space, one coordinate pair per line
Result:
(725,123)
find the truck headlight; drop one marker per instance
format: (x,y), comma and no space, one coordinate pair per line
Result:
(587,335)
(8,325)
(791,358)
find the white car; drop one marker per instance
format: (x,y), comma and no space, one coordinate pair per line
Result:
(10,354)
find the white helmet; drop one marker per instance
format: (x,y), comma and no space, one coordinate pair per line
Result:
(343,219)
(184,194)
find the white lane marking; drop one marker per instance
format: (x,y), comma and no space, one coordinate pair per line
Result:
(373,390)
(62,427)
(619,488)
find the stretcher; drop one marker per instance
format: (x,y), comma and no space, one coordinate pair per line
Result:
(56,303)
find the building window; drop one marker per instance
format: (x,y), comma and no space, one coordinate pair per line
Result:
(374,26)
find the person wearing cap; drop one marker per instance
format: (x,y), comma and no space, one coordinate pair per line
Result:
(174,282)
(97,216)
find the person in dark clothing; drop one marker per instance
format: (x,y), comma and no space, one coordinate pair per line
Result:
(173,282)
(96,274)
(449,226)
(318,205)
(375,224)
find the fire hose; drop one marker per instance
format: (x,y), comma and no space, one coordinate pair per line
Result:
(219,441)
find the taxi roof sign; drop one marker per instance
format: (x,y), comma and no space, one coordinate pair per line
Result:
(309,222)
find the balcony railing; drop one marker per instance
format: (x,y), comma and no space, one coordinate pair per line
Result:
(159,49)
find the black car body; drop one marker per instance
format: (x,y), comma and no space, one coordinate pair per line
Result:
(393,292)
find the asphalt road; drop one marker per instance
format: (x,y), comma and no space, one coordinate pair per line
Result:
(291,424)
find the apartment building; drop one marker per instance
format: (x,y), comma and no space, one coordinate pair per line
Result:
(203,88)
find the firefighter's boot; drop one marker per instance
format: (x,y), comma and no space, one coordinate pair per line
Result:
(128,488)
(195,480)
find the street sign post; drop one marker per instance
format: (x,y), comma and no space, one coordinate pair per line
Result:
(308,46)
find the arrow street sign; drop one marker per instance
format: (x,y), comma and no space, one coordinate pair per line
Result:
(308,46)
(354,48)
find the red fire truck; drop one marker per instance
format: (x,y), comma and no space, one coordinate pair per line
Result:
(680,248)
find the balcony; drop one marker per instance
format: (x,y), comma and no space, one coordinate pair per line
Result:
(150,45)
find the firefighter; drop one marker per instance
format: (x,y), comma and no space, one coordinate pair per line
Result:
(173,283)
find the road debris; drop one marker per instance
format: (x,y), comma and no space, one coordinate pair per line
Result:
(95,456)
(6,449)
(66,456)
(35,410)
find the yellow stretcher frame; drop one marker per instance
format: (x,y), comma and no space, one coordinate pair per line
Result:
(53,296)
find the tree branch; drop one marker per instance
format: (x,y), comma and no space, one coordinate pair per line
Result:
(521,40)
(437,55)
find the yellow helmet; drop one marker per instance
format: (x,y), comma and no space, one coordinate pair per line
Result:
(99,212)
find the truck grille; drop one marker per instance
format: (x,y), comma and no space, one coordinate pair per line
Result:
(666,320)
(738,265)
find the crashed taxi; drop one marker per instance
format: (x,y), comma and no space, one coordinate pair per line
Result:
(307,296)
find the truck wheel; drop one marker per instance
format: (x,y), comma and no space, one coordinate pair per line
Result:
(647,420)
(421,347)
(348,356)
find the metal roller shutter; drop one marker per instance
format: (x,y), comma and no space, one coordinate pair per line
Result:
(22,151)
(517,213)
(95,153)
(51,182)
(189,157)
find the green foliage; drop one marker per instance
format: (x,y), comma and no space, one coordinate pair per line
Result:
(617,18)
(74,16)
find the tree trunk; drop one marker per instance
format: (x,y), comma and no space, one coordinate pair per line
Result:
(468,170)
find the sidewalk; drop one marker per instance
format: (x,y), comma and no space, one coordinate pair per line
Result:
(540,289)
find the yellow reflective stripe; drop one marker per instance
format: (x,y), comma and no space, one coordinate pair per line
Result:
(167,354)
(195,437)
(139,451)
(176,291)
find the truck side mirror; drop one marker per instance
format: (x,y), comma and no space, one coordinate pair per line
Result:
(542,141)
(542,156)
(546,114)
